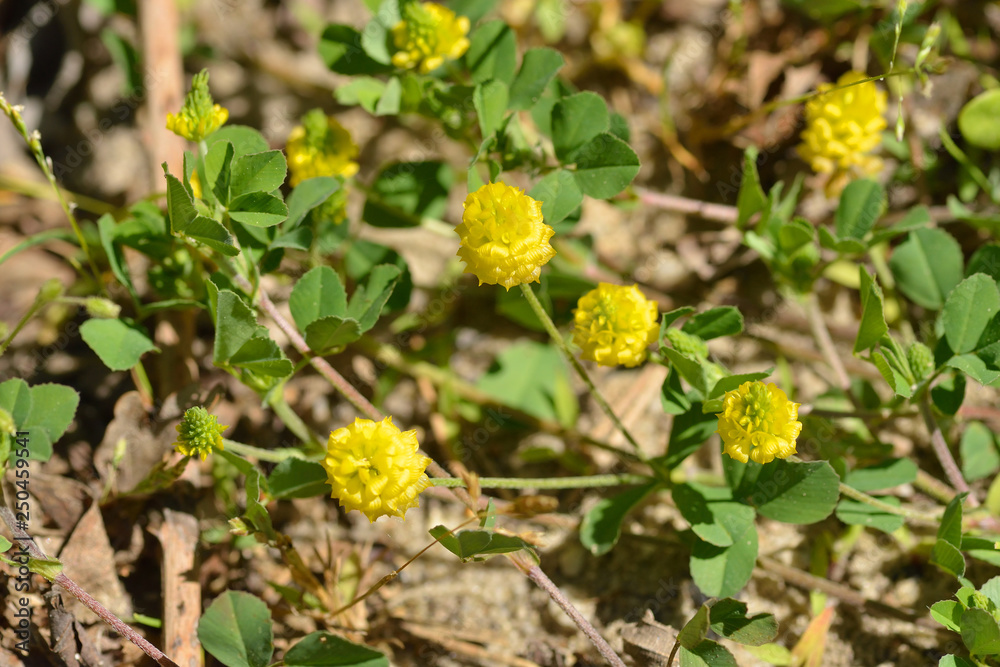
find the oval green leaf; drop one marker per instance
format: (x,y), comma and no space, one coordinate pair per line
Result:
(118,345)
(724,571)
(236,630)
(967,311)
(978,120)
(602,525)
(927,266)
(797,493)
(605,166)
(325,649)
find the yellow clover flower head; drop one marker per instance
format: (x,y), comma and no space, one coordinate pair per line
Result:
(843,127)
(374,468)
(199,433)
(503,238)
(200,116)
(758,422)
(614,324)
(320,147)
(428,35)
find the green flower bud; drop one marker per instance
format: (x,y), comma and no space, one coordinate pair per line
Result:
(687,344)
(7,423)
(713,373)
(921,360)
(981,601)
(103,308)
(199,433)
(51,290)
(930,39)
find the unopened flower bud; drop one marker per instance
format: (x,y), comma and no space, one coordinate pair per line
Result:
(7,423)
(51,290)
(921,360)
(687,344)
(199,433)
(103,308)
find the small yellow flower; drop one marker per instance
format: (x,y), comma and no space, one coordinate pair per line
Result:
(428,35)
(195,182)
(614,325)
(320,147)
(199,433)
(200,116)
(843,127)
(503,238)
(376,469)
(758,422)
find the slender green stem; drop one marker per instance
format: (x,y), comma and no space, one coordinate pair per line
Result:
(557,338)
(272,455)
(974,171)
(38,190)
(861,497)
(742,121)
(583,482)
(934,487)
(292,420)
(141,379)
(34,141)
(440,377)
(878,415)
(901,10)
(912,515)
(35,307)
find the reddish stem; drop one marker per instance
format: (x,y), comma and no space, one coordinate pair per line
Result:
(121,627)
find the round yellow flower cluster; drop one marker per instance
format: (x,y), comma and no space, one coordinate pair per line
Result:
(199,117)
(374,468)
(758,422)
(503,238)
(428,35)
(614,324)
(320,147)
(843,127)
(199,433)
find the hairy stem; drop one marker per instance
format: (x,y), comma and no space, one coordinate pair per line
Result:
(678,204)
(942,452)
(26,542)
(582,482)
(911,515)
(826,346)
(862,497)
(272,455)
(542,580)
